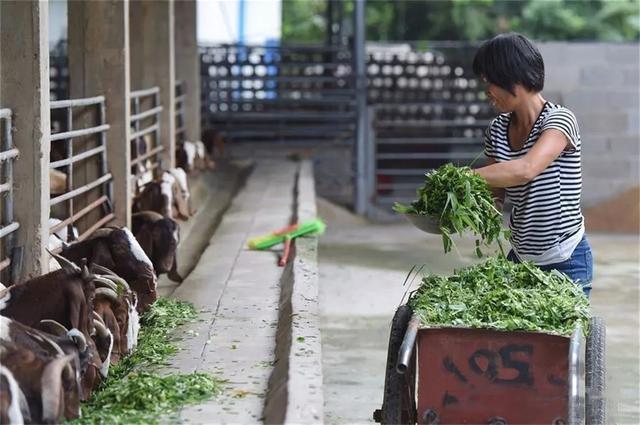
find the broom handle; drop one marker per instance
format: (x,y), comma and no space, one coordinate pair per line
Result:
(285,254)
(285,230)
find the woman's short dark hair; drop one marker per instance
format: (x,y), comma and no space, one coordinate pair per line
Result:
(509,59)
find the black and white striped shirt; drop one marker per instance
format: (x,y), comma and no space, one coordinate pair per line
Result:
(546,220)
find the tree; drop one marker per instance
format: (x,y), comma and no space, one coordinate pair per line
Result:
(473,20)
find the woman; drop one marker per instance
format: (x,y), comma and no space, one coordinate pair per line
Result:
(533,148)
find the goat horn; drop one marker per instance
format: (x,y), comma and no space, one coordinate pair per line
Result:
(107,293)
(102,282)
(102,269)
(53,327)
(96,316)
(79,338)
(118,281)
(50,384)
(101,329)
(65,263)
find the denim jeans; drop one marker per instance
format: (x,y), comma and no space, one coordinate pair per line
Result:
(579,267)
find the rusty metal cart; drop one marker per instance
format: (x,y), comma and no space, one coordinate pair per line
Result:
(447,375)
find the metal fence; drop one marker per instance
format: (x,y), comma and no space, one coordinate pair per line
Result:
(278,93)
(89,161)
(146,147)
(59,71)
(181,96)
(9,258)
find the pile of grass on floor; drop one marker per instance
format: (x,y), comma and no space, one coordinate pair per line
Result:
(502,295)
(134,395)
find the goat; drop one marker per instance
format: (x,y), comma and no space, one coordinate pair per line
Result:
(118,250)
(159,237)
(13,404)
(168,196)
(68,350)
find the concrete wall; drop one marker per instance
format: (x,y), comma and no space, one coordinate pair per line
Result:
(599,82)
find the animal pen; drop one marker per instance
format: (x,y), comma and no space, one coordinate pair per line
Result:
(77,140)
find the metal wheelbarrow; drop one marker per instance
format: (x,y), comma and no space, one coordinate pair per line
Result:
(454,375)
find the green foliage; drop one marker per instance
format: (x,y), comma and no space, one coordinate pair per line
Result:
(144,397)
(461,201)
(472,20)
(500,294)
(134,395)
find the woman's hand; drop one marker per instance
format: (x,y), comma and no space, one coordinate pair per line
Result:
(521,171)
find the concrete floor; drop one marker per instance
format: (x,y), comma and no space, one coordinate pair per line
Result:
(362,270)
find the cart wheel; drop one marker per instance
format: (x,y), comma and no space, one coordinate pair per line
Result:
(595,374)
(398,405)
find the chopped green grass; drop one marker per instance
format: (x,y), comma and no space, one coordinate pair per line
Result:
(134,395)
(503,295)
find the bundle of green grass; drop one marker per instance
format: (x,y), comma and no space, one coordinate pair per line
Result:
(502,295)
(460,200)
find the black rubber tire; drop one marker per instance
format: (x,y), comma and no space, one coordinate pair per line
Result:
(595,374)
(395,384)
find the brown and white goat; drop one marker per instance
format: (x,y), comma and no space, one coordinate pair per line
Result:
(123,306)
(118,250)
(43,382)
(168,196)
(64,296)
(159,237)
(13,404)
(48,348)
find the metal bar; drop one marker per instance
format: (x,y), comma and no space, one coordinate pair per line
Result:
(429,141)
(180,130)
(7,176)
(10,228)
(142,115)
(152,128)
(79,133)
(72,103)
(147,155)
(282,79)
(80,190)
(409,341)
(435,155)
(70,203)
(5,113)
(5,263)
(77,158)
(181,98)
(75,217)
(5,187)
(108,186)
(158,140)
(360,59)
(144,92)
(576,394)
(432,123)
(9,154)
(104,220)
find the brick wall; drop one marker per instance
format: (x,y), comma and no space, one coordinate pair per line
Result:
(600,83)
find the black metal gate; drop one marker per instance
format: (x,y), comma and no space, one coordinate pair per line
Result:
(279,93)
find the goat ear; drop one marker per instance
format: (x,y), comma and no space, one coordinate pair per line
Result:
(145,238)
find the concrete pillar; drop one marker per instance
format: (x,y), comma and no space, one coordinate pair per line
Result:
(99,65)
(188,64)
(24,88)
(153,62)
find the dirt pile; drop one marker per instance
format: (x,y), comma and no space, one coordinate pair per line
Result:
(619,214)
